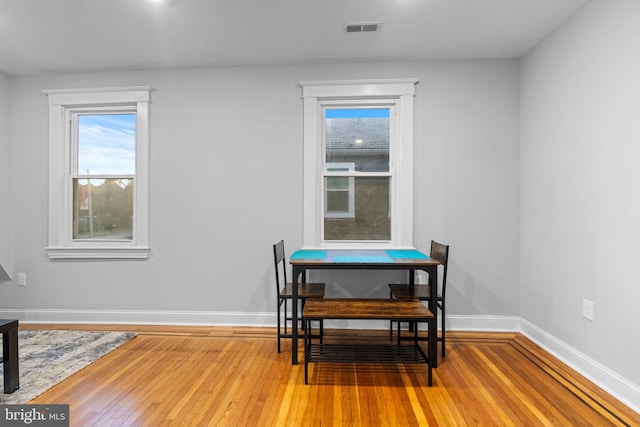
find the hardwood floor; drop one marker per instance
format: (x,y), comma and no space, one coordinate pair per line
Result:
(219,376)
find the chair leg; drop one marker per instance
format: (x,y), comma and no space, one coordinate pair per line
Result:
(278,323)
(390,321)
(303,324)
(443,331)
(285,316)
(282,324)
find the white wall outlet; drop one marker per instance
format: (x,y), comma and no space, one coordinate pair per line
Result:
(22,279)
(587,309)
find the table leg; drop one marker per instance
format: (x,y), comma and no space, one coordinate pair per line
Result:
(412,282)
(433,348)
(433,307)
(10,363)
(294,316)
(307,344)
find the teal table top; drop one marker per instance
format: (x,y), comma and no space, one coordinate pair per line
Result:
(357,255)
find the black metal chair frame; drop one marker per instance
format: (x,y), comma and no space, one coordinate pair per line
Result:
(440,252)
(283,289)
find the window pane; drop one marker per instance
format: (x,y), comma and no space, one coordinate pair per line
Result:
(106,144)
(358,135)
(103,209)
(338,201)
(371,220)
(337,182)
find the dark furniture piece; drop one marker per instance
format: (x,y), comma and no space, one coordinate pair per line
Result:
(285,293)
(353,308)
(407,260)
(9,329)
(439,252)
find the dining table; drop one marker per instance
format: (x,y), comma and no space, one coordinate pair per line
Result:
(409,260)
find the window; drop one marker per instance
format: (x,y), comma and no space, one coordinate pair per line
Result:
(339,192)
(360,137)
(102,173)
(358,166)
(99,185)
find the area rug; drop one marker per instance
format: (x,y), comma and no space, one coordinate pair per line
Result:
(47,357)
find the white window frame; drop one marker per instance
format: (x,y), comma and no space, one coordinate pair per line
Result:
(319,94)
(63,104)
(338,169)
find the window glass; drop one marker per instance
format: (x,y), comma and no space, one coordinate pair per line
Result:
(339,192)
(103,209)
(371,220)
(103,199)
(106,144)
(356,174)
(359,136)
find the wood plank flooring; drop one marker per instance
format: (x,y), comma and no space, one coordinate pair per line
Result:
(219,376)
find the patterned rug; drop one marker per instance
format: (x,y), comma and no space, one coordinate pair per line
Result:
(48,357)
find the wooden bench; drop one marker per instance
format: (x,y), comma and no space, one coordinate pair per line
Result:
(368,309)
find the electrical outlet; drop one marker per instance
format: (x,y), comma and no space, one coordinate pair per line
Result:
(587,309)
(22,279)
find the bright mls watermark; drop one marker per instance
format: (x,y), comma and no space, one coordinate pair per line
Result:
(34,415)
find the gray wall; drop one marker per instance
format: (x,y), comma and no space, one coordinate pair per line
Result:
(226,162)
(580,181)
(5,205)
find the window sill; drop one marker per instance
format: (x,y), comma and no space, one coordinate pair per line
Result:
(115,252)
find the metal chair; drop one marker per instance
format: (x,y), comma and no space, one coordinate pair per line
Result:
(284,292)
(421,292)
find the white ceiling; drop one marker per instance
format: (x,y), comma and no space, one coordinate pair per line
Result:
(60,36)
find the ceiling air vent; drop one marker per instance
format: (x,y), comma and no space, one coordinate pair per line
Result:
(362,27)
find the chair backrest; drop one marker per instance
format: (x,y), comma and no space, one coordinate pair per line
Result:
(441,253)
(278,260)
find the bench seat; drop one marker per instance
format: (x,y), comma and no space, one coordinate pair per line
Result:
(367,309)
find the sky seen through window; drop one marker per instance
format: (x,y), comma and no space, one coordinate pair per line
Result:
(106,144)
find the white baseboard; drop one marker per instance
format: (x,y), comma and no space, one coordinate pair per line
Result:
(141,317)
(610,381)
(614,384)
(619,387)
